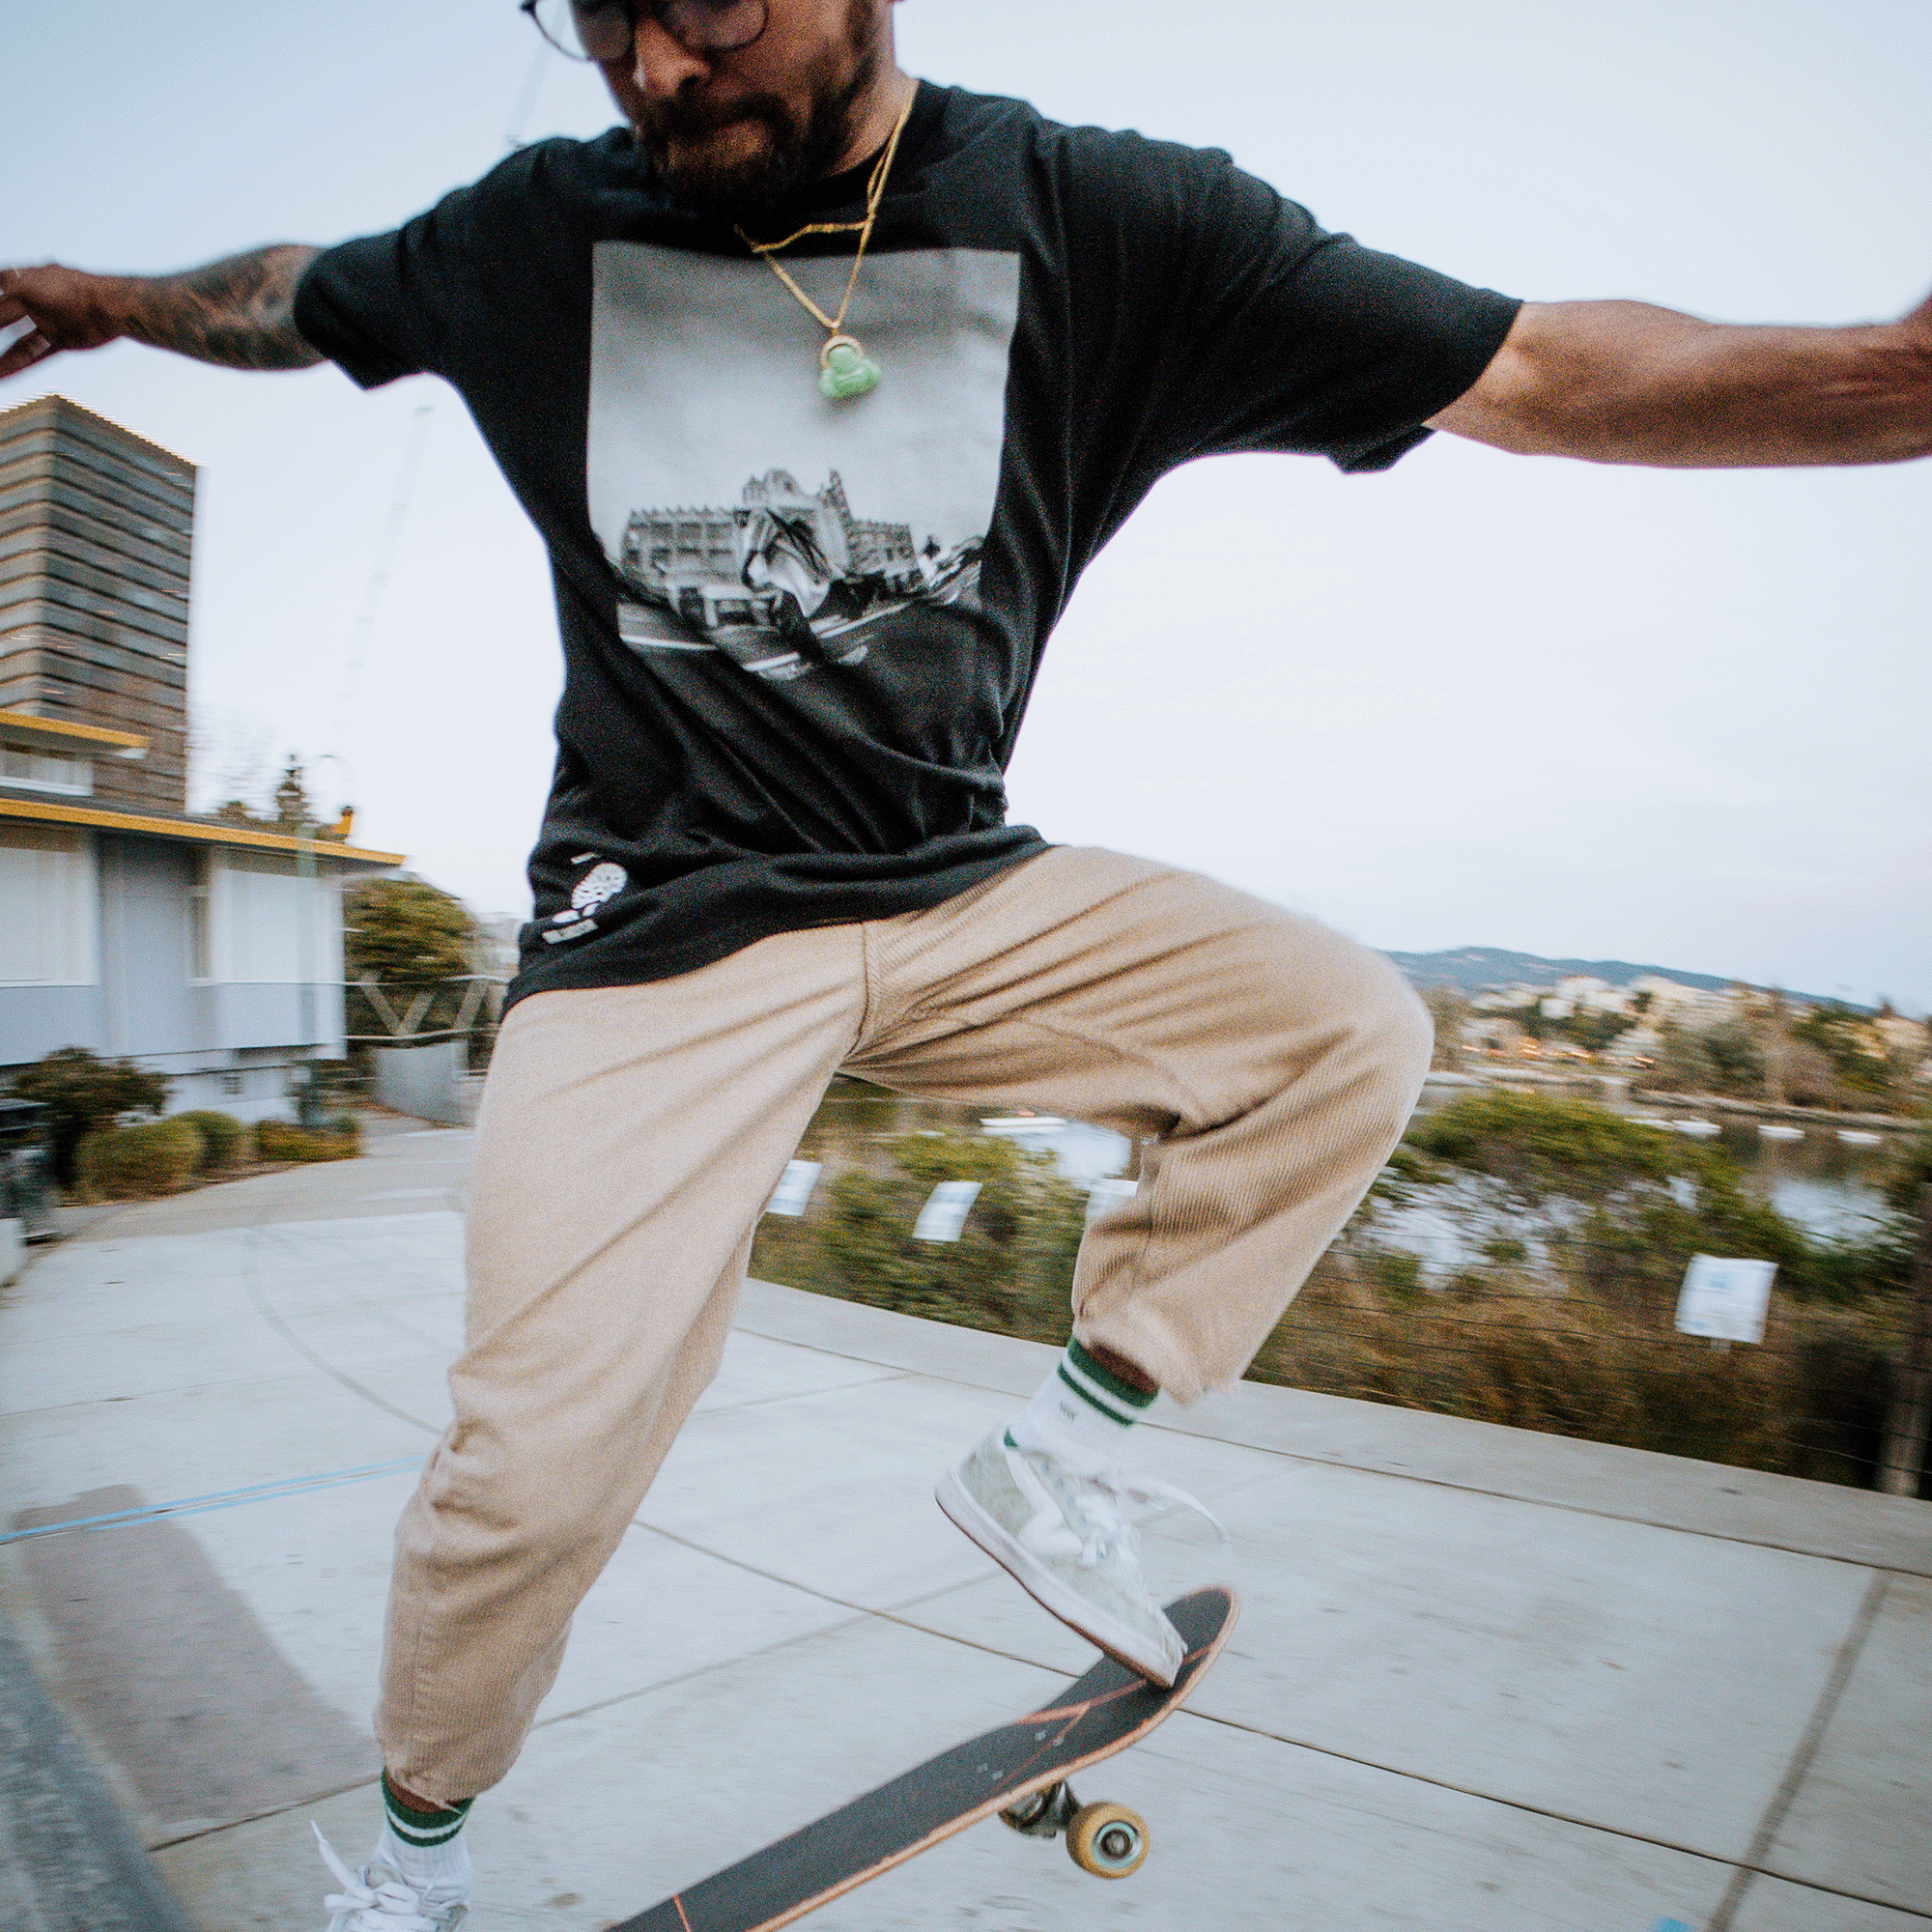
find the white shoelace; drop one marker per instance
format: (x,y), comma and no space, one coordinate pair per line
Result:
(1106,1489)
(394,1906)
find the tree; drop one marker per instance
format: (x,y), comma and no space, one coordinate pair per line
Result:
(411,939)
(81,1093)
(1681,1063)
(406,933)
(292,811)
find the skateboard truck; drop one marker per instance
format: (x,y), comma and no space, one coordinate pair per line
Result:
(1107,1840)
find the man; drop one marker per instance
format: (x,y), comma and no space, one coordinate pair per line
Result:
(948,345)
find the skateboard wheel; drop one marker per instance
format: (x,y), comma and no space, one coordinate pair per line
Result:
(1108,1840)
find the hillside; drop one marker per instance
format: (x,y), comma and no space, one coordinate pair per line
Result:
(1468,969)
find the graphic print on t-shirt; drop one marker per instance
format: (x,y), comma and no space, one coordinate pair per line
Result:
(749,514)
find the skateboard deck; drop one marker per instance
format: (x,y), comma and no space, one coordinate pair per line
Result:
(1020,1769)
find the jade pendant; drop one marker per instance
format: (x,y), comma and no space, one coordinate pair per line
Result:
(844,369)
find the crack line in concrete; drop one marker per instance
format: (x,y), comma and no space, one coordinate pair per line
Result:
(263,1307)
(1794,1773)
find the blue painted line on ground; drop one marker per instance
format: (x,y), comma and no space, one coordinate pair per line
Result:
(291,1486)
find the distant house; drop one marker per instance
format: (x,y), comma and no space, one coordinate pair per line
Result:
(1593,995)
(1635,1046)
(209,952)
(1688,1005)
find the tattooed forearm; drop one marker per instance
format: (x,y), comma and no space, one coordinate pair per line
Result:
(238,312)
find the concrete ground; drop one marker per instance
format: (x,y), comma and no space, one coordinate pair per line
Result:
(1481,1680)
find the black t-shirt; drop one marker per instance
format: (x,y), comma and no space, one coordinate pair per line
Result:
(799,633)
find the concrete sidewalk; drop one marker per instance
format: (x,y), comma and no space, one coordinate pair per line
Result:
(1482,1679)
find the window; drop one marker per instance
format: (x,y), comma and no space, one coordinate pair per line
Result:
(199,921)
(265,920)
(26,770)
(49,907)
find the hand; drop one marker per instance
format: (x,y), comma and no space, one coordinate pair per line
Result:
(68,309)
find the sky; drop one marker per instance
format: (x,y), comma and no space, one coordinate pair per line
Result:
(1481,700)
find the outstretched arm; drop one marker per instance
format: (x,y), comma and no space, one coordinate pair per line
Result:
(1617,381)
(238,312)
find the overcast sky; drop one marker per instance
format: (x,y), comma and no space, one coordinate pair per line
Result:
(1478,701)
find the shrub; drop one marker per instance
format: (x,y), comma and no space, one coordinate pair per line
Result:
(1810,1402)
(284,1140)
(1538,1147)
(83,1093)
(140,1162)
(1011,1269)
(224,1140)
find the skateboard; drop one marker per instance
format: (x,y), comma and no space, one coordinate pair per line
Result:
(1019,1770)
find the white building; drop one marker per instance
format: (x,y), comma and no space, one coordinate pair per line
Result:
(208,951)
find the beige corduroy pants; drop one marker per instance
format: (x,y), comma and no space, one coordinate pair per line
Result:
(631,1136)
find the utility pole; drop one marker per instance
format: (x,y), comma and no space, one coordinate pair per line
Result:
(1905,1428)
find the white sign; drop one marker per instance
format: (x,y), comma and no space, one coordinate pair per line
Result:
(946,1210)
(1725,1300)
(794,1188)
(1106,1194)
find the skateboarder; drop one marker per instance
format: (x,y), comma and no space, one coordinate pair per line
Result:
(928,323)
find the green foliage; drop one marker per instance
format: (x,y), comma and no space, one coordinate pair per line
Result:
(224,1140)
(406,933)
(1564,1324)
(1911,1174)
(1539,1146)
(140,1162)
(1737,1059)
(1396,1272)
(284,1140)
(1811,1401)
(1406,1174)
(409,937)
(83,1093)
(1845,1038)
(1586,1028)
(1652,1199)
(1011,1269)
(1681,1063)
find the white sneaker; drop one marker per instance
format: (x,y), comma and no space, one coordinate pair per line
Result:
(1054,1515)
(382,1900)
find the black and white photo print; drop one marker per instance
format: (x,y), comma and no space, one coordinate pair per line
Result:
(749,514)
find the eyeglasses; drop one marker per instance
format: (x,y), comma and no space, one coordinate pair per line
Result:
(603,30)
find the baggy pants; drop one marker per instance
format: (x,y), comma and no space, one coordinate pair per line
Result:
(630,1138)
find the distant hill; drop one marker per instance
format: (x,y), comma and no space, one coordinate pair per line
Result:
(1468,969)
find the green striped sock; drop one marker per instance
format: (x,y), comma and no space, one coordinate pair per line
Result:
(423,1831)
(1089,1403)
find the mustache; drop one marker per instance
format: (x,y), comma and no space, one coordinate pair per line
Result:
(687,118)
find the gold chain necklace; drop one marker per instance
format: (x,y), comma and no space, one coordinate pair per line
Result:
(844,369)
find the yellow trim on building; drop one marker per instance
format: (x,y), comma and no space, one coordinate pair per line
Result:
(56,734)
(199,830)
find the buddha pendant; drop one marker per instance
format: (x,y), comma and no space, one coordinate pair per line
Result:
(844,369)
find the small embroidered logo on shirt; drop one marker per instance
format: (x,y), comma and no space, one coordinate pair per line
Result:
(597,887)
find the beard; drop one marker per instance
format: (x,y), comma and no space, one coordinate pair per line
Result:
(794,148)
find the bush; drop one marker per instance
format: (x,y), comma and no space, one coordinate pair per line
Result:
(140,1162)
(1810,1402)
(411,939)
(284,1140)
(224,1140)
(1538,1147)
(84,1094)
(1010,1271)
